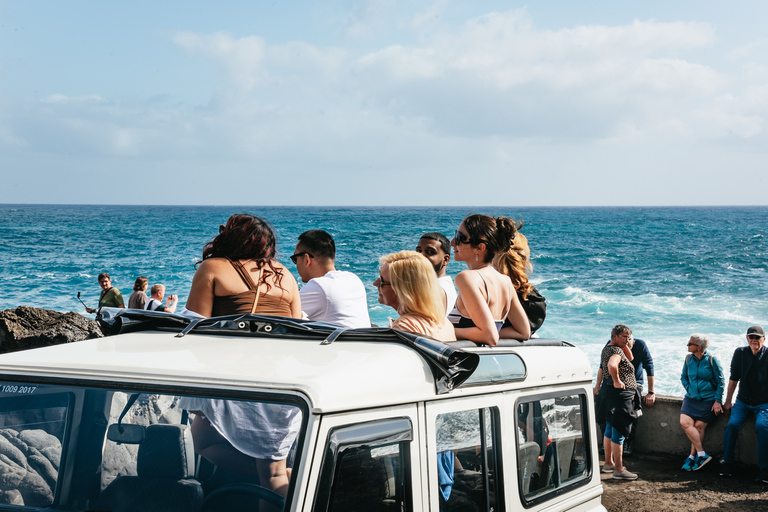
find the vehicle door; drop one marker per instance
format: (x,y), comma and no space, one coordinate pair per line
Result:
(367,461)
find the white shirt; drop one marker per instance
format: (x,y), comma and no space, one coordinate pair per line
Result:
(337,298)
(446,283)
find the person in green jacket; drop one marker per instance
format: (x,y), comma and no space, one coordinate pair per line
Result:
(110,296)
(704,384)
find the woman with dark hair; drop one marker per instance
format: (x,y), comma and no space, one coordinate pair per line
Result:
(486,297)
(138,298)
(238,273)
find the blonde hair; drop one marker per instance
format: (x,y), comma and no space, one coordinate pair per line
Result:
(415,284)
(516,263)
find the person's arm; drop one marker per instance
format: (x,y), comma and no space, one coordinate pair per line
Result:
(521,326)
(170,304)
(627,349)
(729,398)
(717,370)
(598,381)
(477,309)
(293,287)
(650,397)
(119,299)
(613,370)
(200,299)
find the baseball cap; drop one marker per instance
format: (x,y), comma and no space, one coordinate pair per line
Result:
(756,329)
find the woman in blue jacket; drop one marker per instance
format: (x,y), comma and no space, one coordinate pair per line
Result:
(704,384)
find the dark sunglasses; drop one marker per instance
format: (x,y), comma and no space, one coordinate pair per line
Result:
(461,238)
(754,337)
(295,257)
(383,283)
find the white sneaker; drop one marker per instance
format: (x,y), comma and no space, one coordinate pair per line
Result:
(624,475)
(608,468)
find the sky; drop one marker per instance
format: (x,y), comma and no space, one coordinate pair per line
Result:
(384,102)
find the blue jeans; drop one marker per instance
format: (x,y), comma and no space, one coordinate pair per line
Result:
(739,413)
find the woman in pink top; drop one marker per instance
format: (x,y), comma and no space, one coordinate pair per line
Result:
(407,282)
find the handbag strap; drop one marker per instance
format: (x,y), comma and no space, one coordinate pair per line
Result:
(258,290)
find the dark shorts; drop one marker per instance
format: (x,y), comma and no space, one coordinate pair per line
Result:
(699,410)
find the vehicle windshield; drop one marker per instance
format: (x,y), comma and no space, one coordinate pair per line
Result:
(74,447)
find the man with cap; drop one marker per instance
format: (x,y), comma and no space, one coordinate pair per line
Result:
(749,366)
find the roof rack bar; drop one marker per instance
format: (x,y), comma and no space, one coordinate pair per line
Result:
(335,334)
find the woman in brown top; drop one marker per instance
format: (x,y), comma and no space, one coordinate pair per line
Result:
(238,274)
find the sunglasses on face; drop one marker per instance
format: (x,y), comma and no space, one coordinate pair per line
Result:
(382,282)
(461,238)
(754,337)
(295,257)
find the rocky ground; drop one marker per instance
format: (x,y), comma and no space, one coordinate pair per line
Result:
(663,486)
(25,327)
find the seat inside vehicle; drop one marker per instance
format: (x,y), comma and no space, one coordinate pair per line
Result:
(165,468)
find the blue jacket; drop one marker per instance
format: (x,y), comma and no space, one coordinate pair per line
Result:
(703,379)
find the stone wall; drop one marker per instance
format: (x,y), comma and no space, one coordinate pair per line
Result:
(659,431)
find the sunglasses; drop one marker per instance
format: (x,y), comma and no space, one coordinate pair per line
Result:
(754,337)
(383,283)
(295,257)
(461,238)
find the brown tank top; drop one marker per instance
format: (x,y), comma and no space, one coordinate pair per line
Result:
(241,303)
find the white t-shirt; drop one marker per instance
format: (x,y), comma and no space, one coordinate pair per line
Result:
(446,283)
(337,298)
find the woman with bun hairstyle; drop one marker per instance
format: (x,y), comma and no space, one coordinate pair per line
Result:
(408,283)
(486,297)
(516,263)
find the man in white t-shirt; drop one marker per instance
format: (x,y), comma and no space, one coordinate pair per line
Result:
(436,247)
(155,302)
(330,295)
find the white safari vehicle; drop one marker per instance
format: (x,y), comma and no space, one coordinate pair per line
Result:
(361,420)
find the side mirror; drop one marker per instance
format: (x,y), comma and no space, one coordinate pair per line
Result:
(126,433)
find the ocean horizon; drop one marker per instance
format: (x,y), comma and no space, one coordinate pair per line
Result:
(667,272)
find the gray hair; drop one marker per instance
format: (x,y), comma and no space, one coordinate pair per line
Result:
(700,340)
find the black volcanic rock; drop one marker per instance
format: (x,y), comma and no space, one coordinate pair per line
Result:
(25,327)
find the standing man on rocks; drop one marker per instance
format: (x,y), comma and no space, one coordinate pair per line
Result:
(332,296)
(642,361)
(110,296)
(749,367)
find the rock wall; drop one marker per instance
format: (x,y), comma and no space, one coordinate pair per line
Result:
(25,327)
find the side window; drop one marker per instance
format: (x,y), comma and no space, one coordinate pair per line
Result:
(32,429)
(552,445)
(468,460)
(366,467)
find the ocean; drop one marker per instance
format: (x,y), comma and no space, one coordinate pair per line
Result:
(665,272)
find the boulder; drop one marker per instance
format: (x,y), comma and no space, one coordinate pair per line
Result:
(25,327)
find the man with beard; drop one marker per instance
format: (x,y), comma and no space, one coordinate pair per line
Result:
(437,249)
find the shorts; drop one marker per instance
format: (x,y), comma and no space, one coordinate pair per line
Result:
(613,434)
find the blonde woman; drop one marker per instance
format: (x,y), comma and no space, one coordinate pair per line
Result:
(407,283)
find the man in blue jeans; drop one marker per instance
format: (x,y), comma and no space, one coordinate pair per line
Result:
(750,367)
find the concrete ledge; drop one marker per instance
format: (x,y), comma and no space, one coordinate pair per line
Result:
(659,431)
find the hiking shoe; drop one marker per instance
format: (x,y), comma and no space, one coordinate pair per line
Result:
(608,468)
(628,448)
(701,461)
(688,464)
(762,477)
(725,469)
(624,475)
